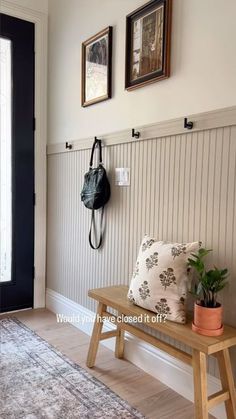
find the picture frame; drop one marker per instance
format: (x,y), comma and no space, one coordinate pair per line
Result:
(148,39)
(97,68)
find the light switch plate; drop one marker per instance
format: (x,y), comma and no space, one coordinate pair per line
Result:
(122,176)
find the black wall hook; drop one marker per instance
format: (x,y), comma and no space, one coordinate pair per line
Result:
(135,134)
(97,140)
(188,124)
(68,146)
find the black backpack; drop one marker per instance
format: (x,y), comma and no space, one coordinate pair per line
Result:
(96,190)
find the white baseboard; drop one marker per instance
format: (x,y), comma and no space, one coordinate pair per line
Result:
(170,371)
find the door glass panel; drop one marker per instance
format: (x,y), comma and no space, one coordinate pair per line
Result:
(5,161)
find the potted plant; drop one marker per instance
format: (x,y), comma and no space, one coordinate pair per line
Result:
(207,310)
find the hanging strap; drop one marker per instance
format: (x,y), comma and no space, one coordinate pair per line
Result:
(97,143)
(90,231)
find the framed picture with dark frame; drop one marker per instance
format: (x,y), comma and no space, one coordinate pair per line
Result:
(97,68)
(148,36)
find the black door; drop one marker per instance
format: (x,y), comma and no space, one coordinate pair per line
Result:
(17,164)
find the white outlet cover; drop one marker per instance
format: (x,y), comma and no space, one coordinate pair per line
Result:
(122,176)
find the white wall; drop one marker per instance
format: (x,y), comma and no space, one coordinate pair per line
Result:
(37,5)
(203,66)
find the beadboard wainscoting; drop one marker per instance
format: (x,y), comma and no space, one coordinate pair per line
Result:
(183,188)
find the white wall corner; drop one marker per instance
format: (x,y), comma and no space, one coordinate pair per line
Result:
(165,368)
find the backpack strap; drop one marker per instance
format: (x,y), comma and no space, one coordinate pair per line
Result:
(97,143)
(90,231)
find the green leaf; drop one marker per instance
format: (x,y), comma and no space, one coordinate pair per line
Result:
(199,289)
(224,271)
(203,252)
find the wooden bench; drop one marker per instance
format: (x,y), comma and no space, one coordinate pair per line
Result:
(116,298)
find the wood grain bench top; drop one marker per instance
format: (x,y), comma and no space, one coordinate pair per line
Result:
(116,297)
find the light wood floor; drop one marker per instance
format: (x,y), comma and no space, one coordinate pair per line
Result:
(148,395)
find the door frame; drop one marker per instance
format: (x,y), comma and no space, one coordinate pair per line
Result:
(41,26)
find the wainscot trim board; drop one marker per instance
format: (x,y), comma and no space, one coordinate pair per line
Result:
(201,121)
(173,373)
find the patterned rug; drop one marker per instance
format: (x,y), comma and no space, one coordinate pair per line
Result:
(37,381)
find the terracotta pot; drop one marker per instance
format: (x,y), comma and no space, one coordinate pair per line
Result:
(208,321)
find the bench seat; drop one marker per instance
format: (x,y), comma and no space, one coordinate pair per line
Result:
(115,297)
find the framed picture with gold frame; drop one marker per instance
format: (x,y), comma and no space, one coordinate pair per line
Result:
(97,68)
(148,36)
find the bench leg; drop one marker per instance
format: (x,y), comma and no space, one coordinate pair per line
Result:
(227,382)
(119,348)
(94,341)
(200,385)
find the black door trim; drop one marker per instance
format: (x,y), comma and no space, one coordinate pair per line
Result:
(18,293)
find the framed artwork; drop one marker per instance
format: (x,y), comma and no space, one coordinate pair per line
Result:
(148,35)
(97,67)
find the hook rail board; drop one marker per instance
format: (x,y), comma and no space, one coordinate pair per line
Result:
(202,121)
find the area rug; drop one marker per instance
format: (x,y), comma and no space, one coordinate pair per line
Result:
(37,381)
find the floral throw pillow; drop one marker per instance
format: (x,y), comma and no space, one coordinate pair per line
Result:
(161,279)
